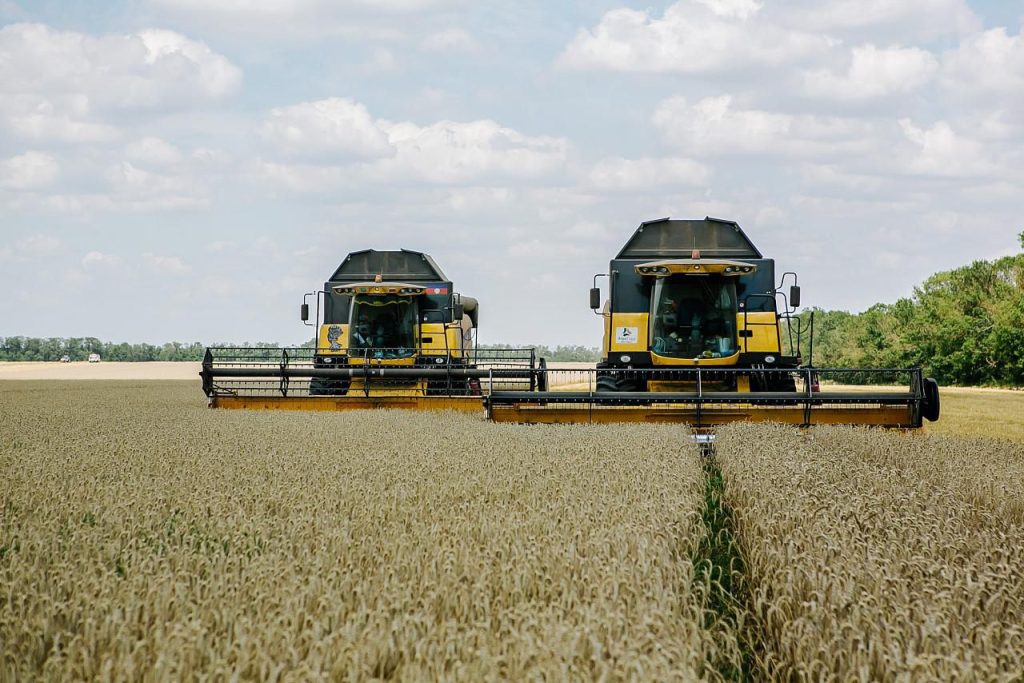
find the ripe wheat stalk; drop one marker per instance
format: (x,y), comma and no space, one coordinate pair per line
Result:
(879,556)
(145,536)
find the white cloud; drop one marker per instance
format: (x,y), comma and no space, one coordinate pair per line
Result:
(39,244)
(906,19)
(450,40)
(334,128)
(381,60)
(713,126)
(324,140)
(942,152)
(873,73)
(614,173)
(165,265)
(153,151)
(835,177)
(67,85)
(987,67)
(741,9)
(301,20)
(284,9)
(30,249)
(60,118)
(452,152)
(29,171)
(97,260)
(690,37)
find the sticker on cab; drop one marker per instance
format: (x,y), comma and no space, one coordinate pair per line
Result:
(626,335)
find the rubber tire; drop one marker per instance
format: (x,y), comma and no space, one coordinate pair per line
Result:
(769,382)
(613,383)
(930,406)
(459,387)
(786,383)
(327,387)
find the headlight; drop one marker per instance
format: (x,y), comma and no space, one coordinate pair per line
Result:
(769,359)
(625,359)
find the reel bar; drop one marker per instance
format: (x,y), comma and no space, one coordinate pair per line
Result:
(468,404)
(240,376)
(384,371)
(879,416)
(705,397)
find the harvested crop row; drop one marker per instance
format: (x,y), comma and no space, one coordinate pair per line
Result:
(143,535)
(878,556)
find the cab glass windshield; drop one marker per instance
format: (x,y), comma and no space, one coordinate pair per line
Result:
(383,326)
(693,317)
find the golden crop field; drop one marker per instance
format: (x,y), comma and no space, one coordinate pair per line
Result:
(878,556)
(144,536)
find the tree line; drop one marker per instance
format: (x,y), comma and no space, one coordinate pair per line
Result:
(558,354)
(79,349)
(963,326)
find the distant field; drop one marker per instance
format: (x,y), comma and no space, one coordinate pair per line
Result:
(981,412)
(106,371)
(560,372)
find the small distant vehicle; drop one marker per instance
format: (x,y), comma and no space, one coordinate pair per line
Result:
(94,358)
(65,359)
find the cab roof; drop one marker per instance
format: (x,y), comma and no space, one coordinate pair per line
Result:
(402,265)
(666,238)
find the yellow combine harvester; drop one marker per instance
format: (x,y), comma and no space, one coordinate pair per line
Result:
(391,333)
(694,333)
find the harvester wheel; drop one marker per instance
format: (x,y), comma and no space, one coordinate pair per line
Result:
(930,406)
(327,387)
(444,388)
(773,381)
(616,383)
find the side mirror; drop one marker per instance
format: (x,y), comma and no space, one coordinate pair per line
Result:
(304,312)
(595,298)
(794,296)
(458,310)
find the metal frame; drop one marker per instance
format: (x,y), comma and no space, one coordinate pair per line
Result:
(897,405)
(265,377)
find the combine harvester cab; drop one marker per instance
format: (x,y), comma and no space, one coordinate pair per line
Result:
(694,333)
(391,333)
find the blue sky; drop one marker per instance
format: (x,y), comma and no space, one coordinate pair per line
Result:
(186,169)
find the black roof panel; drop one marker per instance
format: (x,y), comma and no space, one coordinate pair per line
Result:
(666,238)
(405,265)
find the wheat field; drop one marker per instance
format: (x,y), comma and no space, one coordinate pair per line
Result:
(879,556)
(144,536)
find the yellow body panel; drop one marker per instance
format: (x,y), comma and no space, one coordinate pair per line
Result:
(377,388)
(333,339)
(620,326)
(724,361)
(899,417)
(432,339)
(764,331)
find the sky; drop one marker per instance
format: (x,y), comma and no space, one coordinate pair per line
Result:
(185,170)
